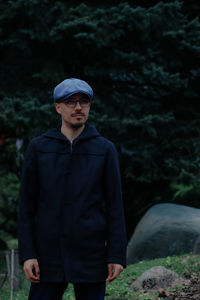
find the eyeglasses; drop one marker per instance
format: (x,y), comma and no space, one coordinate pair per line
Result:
(71,103)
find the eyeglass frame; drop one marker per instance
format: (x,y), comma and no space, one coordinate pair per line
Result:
(75,102)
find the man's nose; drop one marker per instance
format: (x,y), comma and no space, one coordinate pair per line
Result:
(78,106)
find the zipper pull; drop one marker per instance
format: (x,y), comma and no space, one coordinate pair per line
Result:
(71,146)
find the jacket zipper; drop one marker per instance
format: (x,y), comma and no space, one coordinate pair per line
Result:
(71,146)
(72,143)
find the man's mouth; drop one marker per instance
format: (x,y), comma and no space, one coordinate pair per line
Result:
(77,115)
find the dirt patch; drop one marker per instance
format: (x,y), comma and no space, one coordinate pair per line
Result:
(190,290)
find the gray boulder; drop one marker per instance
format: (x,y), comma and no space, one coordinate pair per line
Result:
(196,249)
(157,278)
(166,229)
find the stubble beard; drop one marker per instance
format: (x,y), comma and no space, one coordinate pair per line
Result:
(77,125)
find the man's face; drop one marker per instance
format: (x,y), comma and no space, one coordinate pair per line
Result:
(74,117)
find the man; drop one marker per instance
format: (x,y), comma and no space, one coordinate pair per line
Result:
(71,222)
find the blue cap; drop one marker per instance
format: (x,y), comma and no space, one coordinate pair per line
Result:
(71,86)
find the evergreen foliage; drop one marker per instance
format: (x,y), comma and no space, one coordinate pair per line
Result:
(143,62)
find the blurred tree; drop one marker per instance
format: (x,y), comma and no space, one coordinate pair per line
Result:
(9,193)
(143,62)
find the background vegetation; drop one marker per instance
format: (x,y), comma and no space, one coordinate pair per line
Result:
(141,58)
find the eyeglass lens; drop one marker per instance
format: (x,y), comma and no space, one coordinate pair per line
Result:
(72,102)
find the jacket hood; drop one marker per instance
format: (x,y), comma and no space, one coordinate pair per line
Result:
(88,132)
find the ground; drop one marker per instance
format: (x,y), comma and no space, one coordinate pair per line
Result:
(190,291)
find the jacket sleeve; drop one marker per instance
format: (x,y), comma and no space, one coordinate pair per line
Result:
(28,205)
(116,235)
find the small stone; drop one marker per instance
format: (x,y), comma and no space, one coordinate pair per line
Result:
(163,293)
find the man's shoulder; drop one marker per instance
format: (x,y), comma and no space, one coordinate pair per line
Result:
(105,143)
(40,139)
(104,140)
(37,139)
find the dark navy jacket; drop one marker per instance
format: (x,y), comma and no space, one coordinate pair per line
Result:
(71,212)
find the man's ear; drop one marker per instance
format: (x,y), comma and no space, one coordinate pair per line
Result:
(58,108)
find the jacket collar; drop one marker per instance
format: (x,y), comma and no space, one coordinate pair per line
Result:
(88,132)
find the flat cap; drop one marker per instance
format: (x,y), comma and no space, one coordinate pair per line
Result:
(71,86)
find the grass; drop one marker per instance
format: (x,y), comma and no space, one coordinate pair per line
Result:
(121,287)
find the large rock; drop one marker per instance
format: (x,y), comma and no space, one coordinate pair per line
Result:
(196,249)
(156,278)
(166,229)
